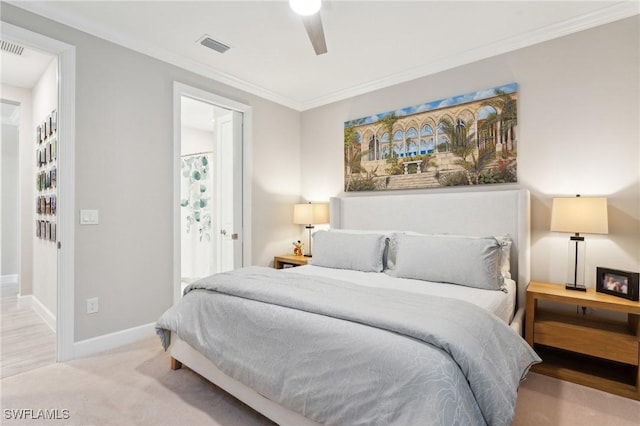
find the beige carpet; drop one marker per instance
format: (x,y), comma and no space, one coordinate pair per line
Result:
(134,386)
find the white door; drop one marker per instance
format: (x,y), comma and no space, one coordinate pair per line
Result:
(229,184)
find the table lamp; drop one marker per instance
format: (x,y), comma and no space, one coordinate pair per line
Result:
(310,214)
(578,215)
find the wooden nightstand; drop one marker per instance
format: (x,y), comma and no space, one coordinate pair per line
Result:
(595,352)
(289,260)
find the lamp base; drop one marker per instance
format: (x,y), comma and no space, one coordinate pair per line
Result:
(577,287)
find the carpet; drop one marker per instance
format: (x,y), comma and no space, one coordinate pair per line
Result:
(129,386)
(134,385)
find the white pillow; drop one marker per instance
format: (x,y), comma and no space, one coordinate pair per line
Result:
(387,235)
(468,261)
(343,250)
(505,256)
(504,241)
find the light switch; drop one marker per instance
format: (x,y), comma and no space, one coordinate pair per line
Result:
(88,217)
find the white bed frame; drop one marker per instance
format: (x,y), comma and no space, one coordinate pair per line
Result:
(464,213)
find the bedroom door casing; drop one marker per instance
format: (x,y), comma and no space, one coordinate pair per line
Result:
(231,219)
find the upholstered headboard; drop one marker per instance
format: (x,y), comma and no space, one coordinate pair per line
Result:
(465,213)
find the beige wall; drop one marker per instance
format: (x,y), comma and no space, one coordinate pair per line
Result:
(578,133)
(124,142)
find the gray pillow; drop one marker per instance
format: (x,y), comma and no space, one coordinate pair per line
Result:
(468,261)
(342,250)
(387,235)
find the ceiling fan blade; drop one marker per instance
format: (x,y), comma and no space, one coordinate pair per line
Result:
(313,24)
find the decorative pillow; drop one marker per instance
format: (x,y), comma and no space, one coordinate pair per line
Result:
(468,261)
(342,250)
(387,236)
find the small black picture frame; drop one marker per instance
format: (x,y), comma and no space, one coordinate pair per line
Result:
(617,283)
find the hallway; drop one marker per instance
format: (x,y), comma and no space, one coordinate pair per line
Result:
(27,342)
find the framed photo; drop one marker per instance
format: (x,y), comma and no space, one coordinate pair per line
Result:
(54,148)
(38,135)
(54,121)
(617,283)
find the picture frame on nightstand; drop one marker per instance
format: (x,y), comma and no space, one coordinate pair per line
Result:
(617,283)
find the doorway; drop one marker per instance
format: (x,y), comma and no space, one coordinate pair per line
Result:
(209,219)
(58,295)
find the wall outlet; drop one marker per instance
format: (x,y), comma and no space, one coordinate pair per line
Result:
(92,305)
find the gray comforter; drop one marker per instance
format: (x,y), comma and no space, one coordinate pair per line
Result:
(343,354)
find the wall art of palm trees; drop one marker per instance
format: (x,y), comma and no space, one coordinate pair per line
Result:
(467,139)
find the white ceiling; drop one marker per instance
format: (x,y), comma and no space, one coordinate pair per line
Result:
(23,70)
(371,44)
(200,115)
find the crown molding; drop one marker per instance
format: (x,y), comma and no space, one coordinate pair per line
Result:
(596,18)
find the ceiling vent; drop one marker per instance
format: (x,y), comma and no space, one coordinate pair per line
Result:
(213,44)
(6,46)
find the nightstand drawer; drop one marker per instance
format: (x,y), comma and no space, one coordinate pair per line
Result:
(601,342)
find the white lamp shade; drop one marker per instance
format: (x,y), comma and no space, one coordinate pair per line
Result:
(580,215)
(310,214)
(305,7)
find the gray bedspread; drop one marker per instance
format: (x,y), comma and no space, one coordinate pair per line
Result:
(343,354)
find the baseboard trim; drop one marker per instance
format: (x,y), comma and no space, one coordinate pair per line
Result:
(9,280)
(114,340)
(30,301)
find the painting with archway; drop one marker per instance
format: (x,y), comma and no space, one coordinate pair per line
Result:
(467,139)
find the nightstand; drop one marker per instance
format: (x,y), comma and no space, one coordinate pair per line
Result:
(289,260)
(595,352)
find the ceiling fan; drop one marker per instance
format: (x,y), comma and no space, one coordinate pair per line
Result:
(309,10)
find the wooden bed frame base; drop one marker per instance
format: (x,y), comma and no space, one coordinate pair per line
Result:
(175,364)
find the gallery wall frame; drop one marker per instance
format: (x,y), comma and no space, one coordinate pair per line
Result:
(46,177)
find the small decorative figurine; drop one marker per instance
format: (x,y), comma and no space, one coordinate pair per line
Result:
(297,248)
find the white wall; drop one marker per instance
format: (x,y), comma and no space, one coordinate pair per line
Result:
(9,191)
(578,133)
(124,143)
(196,140)
(45,253)
(26,136)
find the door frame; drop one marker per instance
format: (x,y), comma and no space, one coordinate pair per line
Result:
(66,179)
(179,90)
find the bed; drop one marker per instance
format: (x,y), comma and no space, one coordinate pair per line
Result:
(410,313)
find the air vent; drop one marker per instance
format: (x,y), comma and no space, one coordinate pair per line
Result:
(11,47)
(213,44)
